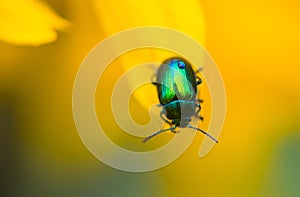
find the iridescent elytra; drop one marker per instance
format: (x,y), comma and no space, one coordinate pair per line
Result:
(176,84)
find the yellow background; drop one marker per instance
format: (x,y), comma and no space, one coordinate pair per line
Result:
(256,47)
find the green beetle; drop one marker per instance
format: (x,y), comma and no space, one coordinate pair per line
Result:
(176,84)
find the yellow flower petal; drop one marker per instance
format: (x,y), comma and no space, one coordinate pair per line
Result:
(186,16)
(29,22)
(115,16)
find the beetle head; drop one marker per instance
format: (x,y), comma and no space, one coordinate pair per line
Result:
(177,63)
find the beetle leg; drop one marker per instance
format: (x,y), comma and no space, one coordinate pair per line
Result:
(199,80)
(173,131)
(198,70)
(164,119)
(200,100)
(152,80)
(197,113)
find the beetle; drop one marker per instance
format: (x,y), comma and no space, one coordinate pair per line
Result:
(176,84)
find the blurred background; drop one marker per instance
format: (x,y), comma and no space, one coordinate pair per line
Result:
(255,45)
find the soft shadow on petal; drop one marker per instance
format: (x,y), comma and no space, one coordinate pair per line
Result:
(29,22)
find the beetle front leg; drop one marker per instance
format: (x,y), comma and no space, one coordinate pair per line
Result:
(164,119)
(173,131)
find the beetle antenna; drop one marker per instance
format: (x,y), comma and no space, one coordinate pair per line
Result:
(211,137)
(158,132)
